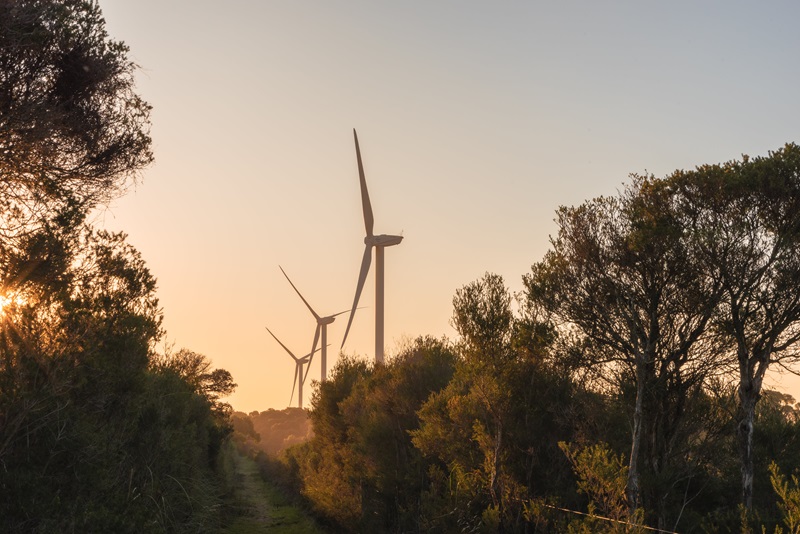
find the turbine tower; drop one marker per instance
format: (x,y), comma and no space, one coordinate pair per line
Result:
(298,371)
(322,330)
(379,242)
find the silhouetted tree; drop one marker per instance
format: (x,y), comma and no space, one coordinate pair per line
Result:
(72,129)
(749,214)
(623,272)
(95,436)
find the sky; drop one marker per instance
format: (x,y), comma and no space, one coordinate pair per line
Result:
(476,121)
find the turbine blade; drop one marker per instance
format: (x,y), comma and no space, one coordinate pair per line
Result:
(344,311)
(316,338)
(362,277)
(313,350)
(294,382)
(281,344)
(369,221)
(309,354)
(300,295)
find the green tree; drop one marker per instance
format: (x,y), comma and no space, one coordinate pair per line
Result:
(749,213)
(789,498)
(73,361)
(602,477)
(330,477)
(381,414)
(482,316)
(96,434)
(196,371)
(623,274)
(494,429)
(360,470)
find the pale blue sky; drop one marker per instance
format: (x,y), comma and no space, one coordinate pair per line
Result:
(476,121)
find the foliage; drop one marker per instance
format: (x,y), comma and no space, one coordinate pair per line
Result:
(71,126)
(640,338)
(747,213)
(623,276)
(789,498)
(360,470)
(274,431)
(98,433)
(602,477)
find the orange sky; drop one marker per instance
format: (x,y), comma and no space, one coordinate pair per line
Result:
(476,121)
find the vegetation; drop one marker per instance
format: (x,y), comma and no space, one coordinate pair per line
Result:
(624,393)
(258,504)
(271,431)
(98,432)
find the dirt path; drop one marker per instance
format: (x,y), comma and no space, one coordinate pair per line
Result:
(250,496)
(262,508)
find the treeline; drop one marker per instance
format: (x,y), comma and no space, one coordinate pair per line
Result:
(270,431)
(98,431)
(621,390)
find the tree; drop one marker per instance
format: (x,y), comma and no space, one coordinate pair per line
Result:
(602,477)
(73,361)
(749,212)
(623,274)
(382,413)
(360,469)
(493,431)
(72,133)
(97,433)
(72,129)
(329,475)
(482,316)
(195,369)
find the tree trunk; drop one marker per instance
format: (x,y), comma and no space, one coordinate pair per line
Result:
(633,489)
(749,392)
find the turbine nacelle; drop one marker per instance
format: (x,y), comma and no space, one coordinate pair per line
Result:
(382,240)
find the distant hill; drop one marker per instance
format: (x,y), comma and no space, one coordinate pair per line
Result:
(272,431)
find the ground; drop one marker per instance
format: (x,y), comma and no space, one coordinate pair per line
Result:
(260,507)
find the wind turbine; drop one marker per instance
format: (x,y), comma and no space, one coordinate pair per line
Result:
(322,330)
(298,370)
(379,242)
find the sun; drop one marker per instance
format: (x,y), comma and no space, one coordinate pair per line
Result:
(7,300)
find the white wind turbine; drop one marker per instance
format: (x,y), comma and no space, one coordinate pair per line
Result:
(298,371)
(322,330)
(379,242)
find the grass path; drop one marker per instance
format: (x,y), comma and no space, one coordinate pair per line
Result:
(261,507)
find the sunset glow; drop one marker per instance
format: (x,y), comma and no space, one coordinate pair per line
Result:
(476,122)
(6,301)
(587,318)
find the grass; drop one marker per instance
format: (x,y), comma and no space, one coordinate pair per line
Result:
(260,507)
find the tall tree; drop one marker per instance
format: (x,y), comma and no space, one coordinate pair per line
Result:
(621,271)
(749,213)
